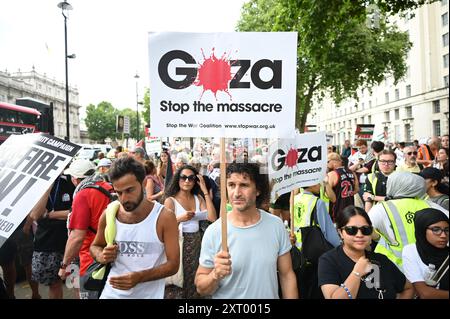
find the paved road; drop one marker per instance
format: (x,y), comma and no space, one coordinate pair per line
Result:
(23,291)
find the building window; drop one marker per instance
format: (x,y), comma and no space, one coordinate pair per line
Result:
(408,90)
(444,18)
(386,116)
(445,60)
(408,110)
(362,120)
(437,128)
(397,114)
(369,119)
(397,94)
(408,133)
(370,104)
(445,40)
(397,132)
(446,81)
(443,2)
(436,106)
(362,104)
(386,97)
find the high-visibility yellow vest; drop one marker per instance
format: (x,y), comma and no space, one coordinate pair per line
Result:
(401,216)
(303,206)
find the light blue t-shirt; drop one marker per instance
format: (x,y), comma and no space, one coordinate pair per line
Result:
(254,252)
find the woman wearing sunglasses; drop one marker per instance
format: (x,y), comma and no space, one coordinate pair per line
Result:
(182,198)
(431,231)
(350,271)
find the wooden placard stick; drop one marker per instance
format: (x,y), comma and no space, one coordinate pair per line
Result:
(291,208)
(223,193)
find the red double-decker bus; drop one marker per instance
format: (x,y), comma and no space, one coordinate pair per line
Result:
(16,119)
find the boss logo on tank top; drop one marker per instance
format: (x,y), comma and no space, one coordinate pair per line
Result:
(135,248)
(66,197)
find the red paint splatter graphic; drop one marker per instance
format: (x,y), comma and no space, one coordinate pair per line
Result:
(291,158)
(214,74)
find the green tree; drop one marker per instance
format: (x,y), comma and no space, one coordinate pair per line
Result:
(146,111)
(340,47)
(101,121)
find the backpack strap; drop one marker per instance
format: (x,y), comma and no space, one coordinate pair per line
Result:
(430,153)
(102,190)
(313,220)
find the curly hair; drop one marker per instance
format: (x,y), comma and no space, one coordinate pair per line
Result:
(252,170)
(124,166)
(174,186)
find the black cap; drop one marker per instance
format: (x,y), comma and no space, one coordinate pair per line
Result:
(432,173)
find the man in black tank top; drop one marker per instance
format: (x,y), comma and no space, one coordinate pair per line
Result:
(344,184)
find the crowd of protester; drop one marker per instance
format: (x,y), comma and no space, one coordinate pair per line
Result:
(381,209)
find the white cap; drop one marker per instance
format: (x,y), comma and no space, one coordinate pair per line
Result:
(79,167)
(104,162)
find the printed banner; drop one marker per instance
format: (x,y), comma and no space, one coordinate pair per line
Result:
(364,131)
(28,166)
(223,84)
(298,162)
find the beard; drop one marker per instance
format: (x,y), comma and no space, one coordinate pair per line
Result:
(130,206)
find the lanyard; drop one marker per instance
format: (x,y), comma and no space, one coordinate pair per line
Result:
(53,200)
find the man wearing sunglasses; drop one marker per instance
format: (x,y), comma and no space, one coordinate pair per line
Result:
(410,164)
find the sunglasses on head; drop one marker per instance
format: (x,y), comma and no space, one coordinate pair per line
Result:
(191,178)
(411,153)
(353,230)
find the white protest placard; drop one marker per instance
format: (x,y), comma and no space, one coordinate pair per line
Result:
(223,84)
(298,162)
(153,145)
(29,164)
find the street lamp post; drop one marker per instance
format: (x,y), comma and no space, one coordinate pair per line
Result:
(137,106)
(64,7)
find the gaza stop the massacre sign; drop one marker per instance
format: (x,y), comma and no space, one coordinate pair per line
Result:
(223,84)
(297,162)
(29,164)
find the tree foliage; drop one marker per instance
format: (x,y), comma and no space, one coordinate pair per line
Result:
(101,121)
(340,49)
(146,111)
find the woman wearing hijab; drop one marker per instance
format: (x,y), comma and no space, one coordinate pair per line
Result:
(431,231)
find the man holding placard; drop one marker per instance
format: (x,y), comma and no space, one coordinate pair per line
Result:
(255,238)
